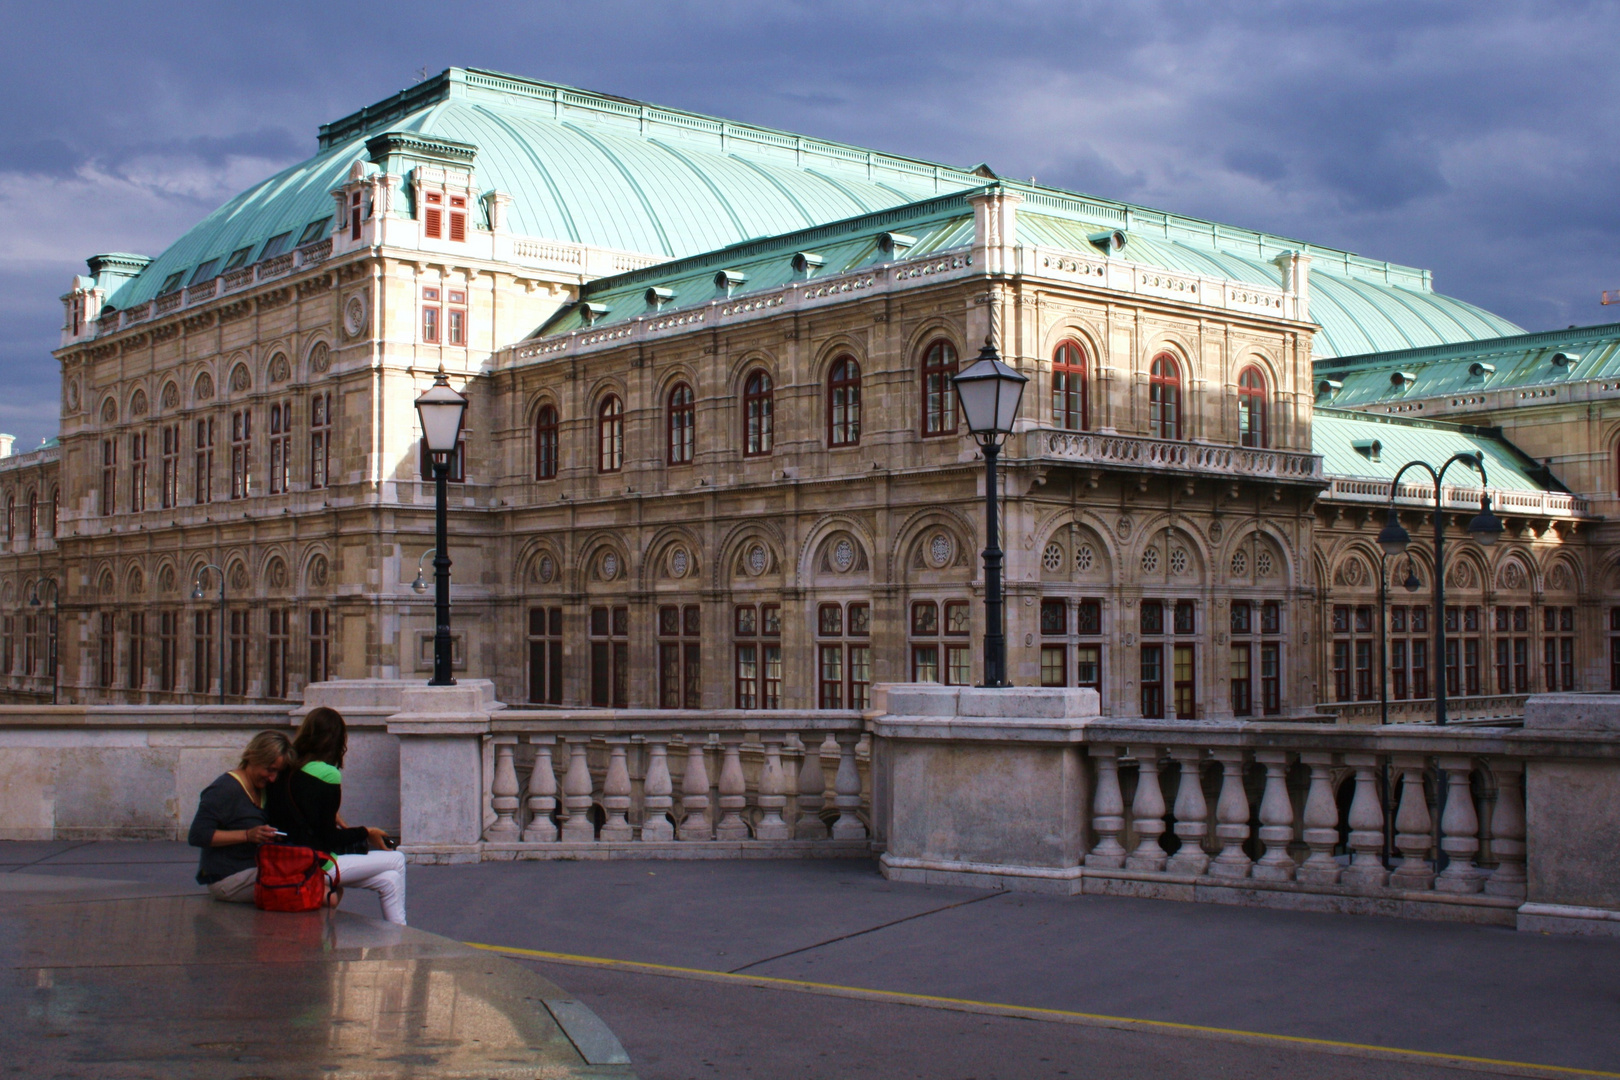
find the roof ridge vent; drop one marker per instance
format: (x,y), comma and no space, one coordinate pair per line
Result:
(1371,449)
(1328,387)
(807,263)
(592,312)
(658,297)
(729,280)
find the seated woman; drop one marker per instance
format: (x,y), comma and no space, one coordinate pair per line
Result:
(305,803)
(231,824)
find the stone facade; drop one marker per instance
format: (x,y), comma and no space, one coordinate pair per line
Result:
(258,428)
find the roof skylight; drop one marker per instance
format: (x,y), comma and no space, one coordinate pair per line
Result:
(238,258)
(275,245)
(204,272)
(314,230)
(172,282)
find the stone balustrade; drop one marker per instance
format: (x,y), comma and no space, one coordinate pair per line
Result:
(675,784)
(1171,456)
(1470,709)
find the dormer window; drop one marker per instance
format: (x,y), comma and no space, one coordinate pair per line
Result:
(354,216)
(172,282)
(275,245)
(313,231)
(238,259)
(433,216)
(204,272)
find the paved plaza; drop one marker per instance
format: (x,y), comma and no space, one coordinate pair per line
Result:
(821,968)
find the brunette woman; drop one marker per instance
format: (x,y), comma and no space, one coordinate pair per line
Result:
(305,805)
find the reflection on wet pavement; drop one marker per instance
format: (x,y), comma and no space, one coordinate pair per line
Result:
(104,981)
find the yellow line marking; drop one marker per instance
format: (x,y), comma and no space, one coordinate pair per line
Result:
(1030,1011)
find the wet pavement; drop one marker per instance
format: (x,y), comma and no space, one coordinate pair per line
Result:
(114,979)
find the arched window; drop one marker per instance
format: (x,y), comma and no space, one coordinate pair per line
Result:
(939,396)
(610,435)
(1069,388)
(1164,399)
(757,414)
(682,424)
(32,525)
(844,402)
(1252,408)
(545,443)
(11,517)
(56,503)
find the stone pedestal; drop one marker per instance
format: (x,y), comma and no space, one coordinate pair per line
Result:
(982,787)
(1572,821)
(442,763)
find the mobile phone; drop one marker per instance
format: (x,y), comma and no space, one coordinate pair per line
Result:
(280,835)
(390,842)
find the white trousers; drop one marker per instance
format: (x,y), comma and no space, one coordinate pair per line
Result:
(383,872)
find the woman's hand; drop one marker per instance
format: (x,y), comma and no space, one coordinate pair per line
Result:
(376,838)
(259,834)
(262,834)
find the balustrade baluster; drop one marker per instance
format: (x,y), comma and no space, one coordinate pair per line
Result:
(1276,819)
(847,785)
(1507,829)
(812,783)
(1231,817)
(1147,808)
(542,793)
(772,799)
(1366,825)
(1192,814)
(1321,832)
(616,792)
(504,789)
(1412,825)
(733,791)
(577,793)
(695,791)
(1459,829)
(1107,811)
(656,789)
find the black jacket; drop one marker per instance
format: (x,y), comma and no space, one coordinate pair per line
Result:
(305,807)
(224,804)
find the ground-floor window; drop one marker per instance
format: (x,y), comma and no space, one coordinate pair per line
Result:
(757,645)
(680,656)
(844,655)
(610,656)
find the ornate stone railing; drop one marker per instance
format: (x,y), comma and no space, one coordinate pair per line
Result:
(1164,455)
(201,291)
(675,783)
(1503,708)
(275,267)
(1520,503)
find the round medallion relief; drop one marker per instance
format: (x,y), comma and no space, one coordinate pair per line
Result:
(1216,531)
(1558,580)
(679,563)
(757,560)
(171,396)
(545,569)
(610,566)
(354,315)
(1240,563)
(277,574)
(1052,559)
(1178,561)
(843,555)
(317,572)
(320,358)
(1124,526)
(1262,564)
(73,395)
(939,549)
(1083,558)
(1150,561)
(166,579)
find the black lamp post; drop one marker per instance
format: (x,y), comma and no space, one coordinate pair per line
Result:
(50,628)
(989,392)
(1485,528)
(197,594)
(442,411)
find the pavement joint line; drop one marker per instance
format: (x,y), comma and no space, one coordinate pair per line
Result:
(868,930)
(1035,1012)
(52,855)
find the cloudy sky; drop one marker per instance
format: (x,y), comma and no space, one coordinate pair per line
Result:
(1476,139)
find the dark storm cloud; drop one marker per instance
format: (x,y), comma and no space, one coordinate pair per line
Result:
(1473,139)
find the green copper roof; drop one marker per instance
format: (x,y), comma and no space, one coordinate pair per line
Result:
(1522,360)
(1335,433)
(608,172)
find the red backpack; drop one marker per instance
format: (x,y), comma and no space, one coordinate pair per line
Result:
(293,878)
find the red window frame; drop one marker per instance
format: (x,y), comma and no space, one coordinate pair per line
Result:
(1070,407)
(433,215)
(458,218)
(1164,398)
(280,446)
(545,442)
(1252,430)
(610,435)
(938,393)
(758,408)
(844,402)
(431,316)
(682,424)
(354,216)
(137,479)
(455,317)
(320,439)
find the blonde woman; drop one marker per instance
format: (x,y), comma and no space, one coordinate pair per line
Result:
(231,823)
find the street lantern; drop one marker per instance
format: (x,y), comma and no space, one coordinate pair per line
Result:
(1486,528)
(442,411)
(1393,538)
(989,392)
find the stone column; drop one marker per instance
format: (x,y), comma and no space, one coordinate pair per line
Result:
(1366,825)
